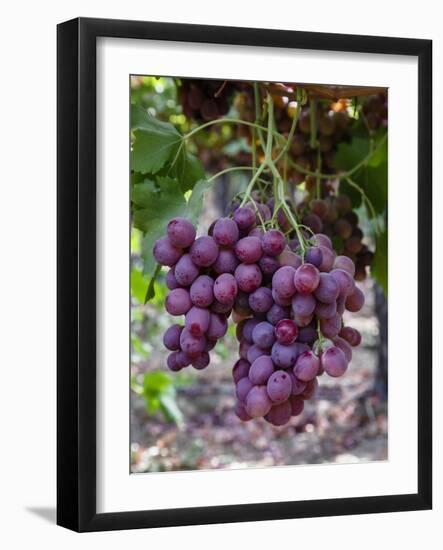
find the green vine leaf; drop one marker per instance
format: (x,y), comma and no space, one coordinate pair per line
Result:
(195,203)
(372,178)
(155,203)
(187,169)
(155,144)
(150,291)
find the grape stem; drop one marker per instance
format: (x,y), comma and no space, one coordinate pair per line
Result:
(292,129)
(366,200)
(283,141)
(320,336)
(230,169)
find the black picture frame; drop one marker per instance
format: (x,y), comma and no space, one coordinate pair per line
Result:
(76,281)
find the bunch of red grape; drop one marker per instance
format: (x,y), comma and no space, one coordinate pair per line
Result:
(205,99)
(295,332)
(333,215)
(288,308)
(375,110)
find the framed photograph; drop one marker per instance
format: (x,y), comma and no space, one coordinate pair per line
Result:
(244,263)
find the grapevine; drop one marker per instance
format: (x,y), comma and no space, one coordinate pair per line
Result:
(283,268)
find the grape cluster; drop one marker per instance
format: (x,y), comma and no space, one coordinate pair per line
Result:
(288,308)
(204,100)
(202,288)
(294,331)
(375,109)
(333,216)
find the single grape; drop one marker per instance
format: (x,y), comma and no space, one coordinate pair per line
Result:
(224,309)
(327,290)
(249,250)
(298,386)
(334,361)
(171,338)
(279,300)
(309,391)
(320,239)
(331,327)
(254,352)
(185,270)
(325,311)
(248,327)
(190,344)
(303,321)
(283,281)
(279,386)
(204,251)
(319,207)
(303,305)
(286,331)
(171,281)
(351,335)
(306,279)
(226,262)
(354,244)
(197,320)
(287,257)
(165,253)
(240,370)
(225,288)
(284,356)
(218,326)
(273,242)
(182,359)
(307,335)
(243,387)
(243,349)
(355,301)
(344,280)
(240,411)
(257,402)
(261,369)
(314,256)
(178,301)
(225,232)
(268,265)
(343,203)
(344,346)
(244,218)
(306,366)
(201,361)
(261,300)
(280,414)
(313,222)
(181,232)
(248,277)
(328,258)
(201,291)
(256,232)
(263,335)
(276,314)
(345,263)
(297,405)
(172,363)
(343,228)
(263,210)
